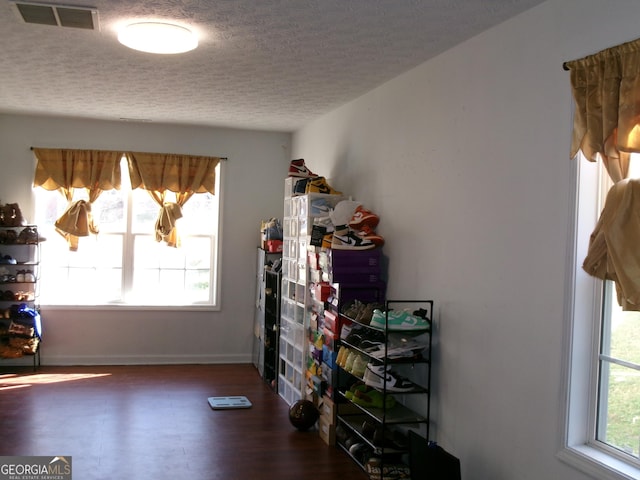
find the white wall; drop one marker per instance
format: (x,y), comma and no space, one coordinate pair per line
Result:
(253,187)
(465,159)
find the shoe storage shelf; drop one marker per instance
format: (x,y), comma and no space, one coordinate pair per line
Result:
(20,324)
(267,319)
(301,213)
(384,371)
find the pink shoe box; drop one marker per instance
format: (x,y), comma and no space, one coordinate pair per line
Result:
(329,338)
(331,321)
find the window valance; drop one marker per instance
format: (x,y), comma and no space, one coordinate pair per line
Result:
(98,170)
(176,173)
(606,90)
(64,168)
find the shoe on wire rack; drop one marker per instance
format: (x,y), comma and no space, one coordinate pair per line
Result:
(399,346)
(375,376)
(297,168)
(355,388)
(398,320)
(359,366)
(348,364)
(373,399)
(343,353)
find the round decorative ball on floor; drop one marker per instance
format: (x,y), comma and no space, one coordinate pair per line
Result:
(303,415)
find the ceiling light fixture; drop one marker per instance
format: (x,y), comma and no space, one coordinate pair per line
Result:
(157,37)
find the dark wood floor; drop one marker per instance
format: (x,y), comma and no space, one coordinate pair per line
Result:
(154,422)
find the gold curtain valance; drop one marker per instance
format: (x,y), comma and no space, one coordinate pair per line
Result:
(66,168)
(173,172)
(98,170)
(606,90)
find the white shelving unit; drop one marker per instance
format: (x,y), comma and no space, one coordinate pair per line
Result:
(295,308)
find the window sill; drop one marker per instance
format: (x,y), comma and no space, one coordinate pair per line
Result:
(598,464)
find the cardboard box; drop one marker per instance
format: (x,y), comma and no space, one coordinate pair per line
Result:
(328,410)
(327,432)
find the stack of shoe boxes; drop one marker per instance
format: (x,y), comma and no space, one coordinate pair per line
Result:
(349,275)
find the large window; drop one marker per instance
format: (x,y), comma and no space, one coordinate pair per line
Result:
(618,395)
(602,428)
(124,264)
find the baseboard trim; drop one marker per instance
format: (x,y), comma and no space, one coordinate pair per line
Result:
(73,360)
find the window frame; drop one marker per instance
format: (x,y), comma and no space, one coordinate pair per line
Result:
(215,266)
(583,321)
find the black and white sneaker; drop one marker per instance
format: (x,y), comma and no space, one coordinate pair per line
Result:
(375,376)
(350,241)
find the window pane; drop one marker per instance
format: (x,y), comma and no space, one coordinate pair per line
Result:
(109,211)
(197,251)
(145,252)
(619,393)
(171,257)
(625,335)
(197,218)
(176,275)
(198,283)
(620,397)
(90,275)
(146,287)
(144,211)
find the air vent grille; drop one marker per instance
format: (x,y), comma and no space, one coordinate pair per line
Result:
(58,15)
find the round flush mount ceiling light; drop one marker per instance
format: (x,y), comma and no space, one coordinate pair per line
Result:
(157,37)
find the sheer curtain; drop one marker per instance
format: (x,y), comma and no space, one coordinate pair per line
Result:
(65,170)
(606,91)
(184,175)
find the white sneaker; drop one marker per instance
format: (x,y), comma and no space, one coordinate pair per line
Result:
(388,380)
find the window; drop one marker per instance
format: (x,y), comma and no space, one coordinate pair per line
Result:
(124,264)
(618,396)
(602,420)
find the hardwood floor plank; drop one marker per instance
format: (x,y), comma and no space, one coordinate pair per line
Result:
(154,422)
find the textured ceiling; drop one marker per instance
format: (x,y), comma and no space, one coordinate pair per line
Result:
(261,64)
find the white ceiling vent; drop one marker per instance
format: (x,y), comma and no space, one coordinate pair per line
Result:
(57,15)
